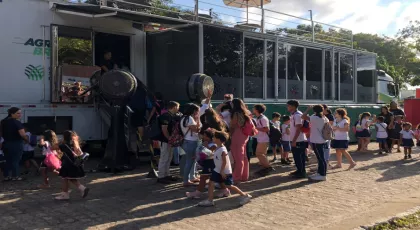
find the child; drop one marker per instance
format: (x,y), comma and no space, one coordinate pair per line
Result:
(381,134)
(275,137)
(417,135)
(341,138)
(47,142)
(72,165)
(28,152)
(364,135)
(357,129)
(407,139)
(222,172)
(396,128)
(207,165)
(285,130)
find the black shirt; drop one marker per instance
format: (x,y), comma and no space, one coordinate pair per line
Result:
(387,117)
(170,120)
(10,129)
(397,112)
(108,63)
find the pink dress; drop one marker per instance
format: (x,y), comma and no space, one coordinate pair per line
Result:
(238,150)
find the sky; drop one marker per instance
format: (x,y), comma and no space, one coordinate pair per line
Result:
(384,17)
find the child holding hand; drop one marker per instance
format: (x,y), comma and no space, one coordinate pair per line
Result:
(222,172)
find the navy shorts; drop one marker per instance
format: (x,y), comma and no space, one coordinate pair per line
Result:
(208,166)
(286,146)
(407,143)
(340,144)
(364,133)
(216,177)
(27,155)
(275,144)
(381,140)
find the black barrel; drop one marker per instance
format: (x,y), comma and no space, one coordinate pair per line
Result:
(199,86)
(117,85)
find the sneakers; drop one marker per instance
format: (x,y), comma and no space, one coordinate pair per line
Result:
(317,177)
(206,203)
(409,156)
(285,162)
(193,195)
(84,192)
(163,181)
(224,193)
(245,199)
(63,196)
(405,157)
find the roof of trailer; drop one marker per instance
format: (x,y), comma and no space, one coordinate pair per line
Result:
(96,10)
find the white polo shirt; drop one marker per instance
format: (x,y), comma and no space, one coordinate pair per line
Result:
(296,119)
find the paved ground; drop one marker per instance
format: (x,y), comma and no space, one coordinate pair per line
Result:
(381,185)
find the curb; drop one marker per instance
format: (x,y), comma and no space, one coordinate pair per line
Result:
(389,219)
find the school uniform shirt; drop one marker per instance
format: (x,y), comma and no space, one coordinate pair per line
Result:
(218,161)
(27,147)
(191,136)
(262,122)
(285,136)
(365,123)
(381,130)
(317,125)
(407,134)
(296,119)
(339,134)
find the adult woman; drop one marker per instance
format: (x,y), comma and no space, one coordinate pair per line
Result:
(341,138)
(395,110)
(328,114)
(240,115)
(13,134)
(71,167)
(190,126)
(388,118)
(318,121)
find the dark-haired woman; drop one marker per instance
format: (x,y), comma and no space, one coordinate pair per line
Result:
(388,116)
(239,115)
(318,121)
(14,136)
(71,165)
(190,126)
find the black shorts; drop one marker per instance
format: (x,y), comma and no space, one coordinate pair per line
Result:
(27,155)
(216,177)
(208,166)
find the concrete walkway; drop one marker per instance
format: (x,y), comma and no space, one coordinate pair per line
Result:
(380,186)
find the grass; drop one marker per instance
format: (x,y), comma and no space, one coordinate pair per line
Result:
(408,222)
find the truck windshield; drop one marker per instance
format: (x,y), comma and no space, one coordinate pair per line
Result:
(391,89)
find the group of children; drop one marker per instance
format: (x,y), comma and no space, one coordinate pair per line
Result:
(398,133)
(63,158)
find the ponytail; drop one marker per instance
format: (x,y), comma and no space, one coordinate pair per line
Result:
(347,118)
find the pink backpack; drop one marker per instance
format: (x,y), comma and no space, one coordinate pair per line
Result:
(51,160)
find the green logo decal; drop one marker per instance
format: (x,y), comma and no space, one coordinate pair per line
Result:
(34,73)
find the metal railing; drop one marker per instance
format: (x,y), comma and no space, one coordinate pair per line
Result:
(256,19)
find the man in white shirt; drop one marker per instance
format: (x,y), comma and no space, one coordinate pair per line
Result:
(262,138)
(298,142)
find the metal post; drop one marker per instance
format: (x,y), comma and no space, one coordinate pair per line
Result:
(262,16)
(265,70)
(200,48)
(243,66)
(323,75)
(355,76)
(276,70)
(44,63)
(313,27)
(339,76)
(333,74)
(196,11)
(286,87)
(304,74)
(352,39)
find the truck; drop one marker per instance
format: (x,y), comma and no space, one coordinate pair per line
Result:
(54,47)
